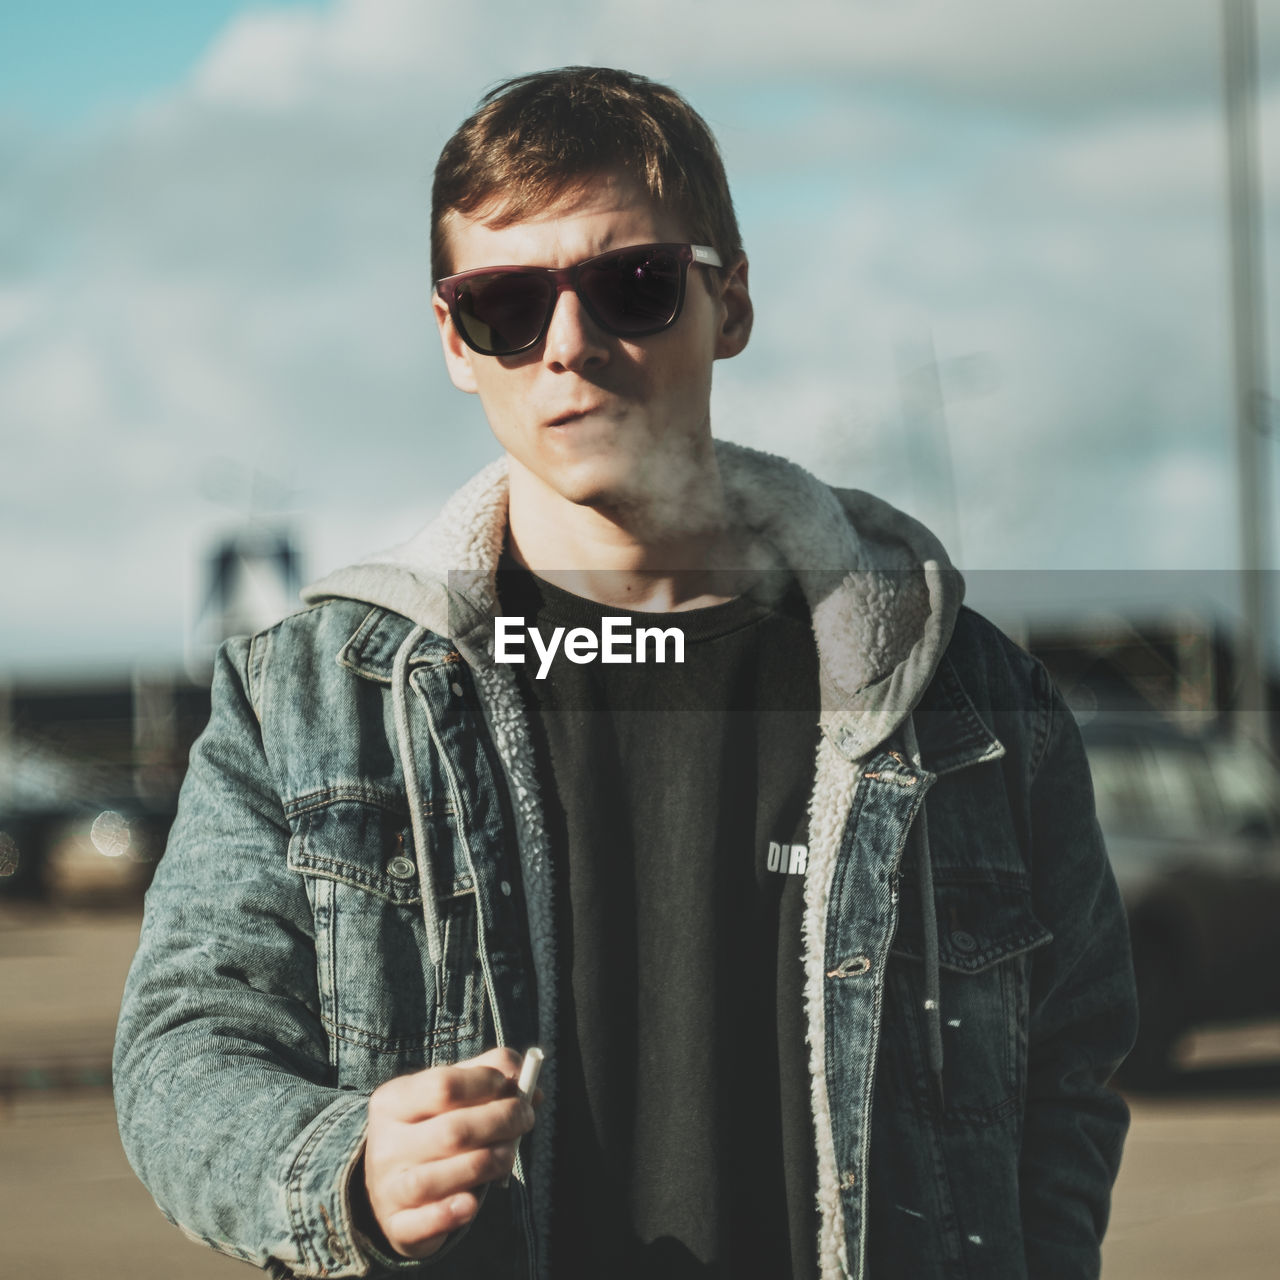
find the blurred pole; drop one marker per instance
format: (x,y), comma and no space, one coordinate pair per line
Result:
(8,755)
(1240,86)
(924,421)
(155,734)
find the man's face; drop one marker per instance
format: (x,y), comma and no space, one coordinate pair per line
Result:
(595,419)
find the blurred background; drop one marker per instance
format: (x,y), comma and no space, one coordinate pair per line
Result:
(1013,266)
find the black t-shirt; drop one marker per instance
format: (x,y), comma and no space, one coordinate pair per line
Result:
(676,799)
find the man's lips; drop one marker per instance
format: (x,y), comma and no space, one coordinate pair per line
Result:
(570,416)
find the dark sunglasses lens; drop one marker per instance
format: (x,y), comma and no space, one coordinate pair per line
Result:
(635,292)
(503,312)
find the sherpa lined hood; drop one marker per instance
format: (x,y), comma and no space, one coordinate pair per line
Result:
(882,592)
(883,597)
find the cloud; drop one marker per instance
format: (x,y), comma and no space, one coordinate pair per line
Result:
(240,270)
(1086,58)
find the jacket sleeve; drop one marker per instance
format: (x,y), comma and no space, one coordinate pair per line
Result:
(221,1066)
(1083,1011)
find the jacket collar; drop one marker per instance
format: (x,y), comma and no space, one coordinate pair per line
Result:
(373,645)
(951,733)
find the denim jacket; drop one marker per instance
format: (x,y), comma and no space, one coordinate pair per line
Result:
(358,885)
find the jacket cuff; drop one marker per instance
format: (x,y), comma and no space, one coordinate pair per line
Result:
(369,1237)
(378,1247)
(319,1203)
(329,1231)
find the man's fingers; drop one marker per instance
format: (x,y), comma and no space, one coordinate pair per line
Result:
(466,1129)
(506,1061)
(439,1089)
(424,1184)
(480,1126)
(434,1137)
(419,1232)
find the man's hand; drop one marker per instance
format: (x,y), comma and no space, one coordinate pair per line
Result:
(434,1138)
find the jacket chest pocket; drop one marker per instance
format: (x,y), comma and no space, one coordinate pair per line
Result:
(986,934)
(379,999)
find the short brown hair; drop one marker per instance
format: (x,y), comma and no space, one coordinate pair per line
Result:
(537,138)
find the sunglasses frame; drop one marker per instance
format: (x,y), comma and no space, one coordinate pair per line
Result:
(567,277)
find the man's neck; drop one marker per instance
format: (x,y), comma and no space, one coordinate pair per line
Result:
(661,556)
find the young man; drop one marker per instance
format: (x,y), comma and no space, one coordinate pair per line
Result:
(656,753)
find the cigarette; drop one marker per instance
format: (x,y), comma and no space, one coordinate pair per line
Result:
(526,1084)
(529,1069)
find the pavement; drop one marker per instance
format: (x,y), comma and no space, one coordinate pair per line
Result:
(70,1204)
(61,976)
(1198,1194)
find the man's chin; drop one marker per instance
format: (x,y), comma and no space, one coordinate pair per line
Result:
(620,480)
(601,493)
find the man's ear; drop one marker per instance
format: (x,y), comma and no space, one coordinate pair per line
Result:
(457,355)
(736,314)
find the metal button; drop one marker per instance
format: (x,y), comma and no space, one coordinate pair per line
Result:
(401,868)
(338,1249)
(963,941)
(457,688)
(505,886)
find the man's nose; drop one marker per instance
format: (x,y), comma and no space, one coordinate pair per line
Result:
(574,341)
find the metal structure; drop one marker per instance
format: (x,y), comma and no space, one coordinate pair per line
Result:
(1240,88)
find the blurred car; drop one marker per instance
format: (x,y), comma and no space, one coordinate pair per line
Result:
(100,858)
(1192,826)
(81,854)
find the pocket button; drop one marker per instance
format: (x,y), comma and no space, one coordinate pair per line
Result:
(401,868)
(963,941)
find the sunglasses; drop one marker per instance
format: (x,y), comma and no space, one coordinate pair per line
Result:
(630,293)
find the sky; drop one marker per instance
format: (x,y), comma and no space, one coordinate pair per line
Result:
(987,244)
